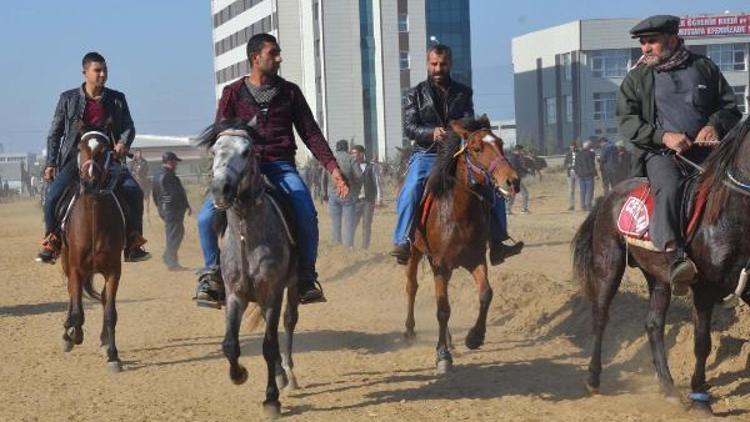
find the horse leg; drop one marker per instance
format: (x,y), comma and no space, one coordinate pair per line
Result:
(704,306)
(231,345)
(660,295)
(74,322)
(411,293)
(110,320)
(291,316)
(444,358)
(612,266)
(475,338)
(272,406)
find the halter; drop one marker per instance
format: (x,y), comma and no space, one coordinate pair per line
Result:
(90,165)
(477,169)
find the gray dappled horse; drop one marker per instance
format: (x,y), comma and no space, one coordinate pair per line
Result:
(257,257)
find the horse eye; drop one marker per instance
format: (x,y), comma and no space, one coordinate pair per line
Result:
(245,153)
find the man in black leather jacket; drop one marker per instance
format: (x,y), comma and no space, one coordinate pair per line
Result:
(428,109)
(90,106)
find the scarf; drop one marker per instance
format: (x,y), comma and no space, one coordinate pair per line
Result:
(677,59)
(263,94)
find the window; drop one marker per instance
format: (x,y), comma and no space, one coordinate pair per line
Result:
(567,67)
(729,57)
(568,108)
(403,23)
(604,105)
(550,107)
(404,60)
(609,63)
(739,98)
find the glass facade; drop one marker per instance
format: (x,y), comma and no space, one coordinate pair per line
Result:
(367,48)
(449,22)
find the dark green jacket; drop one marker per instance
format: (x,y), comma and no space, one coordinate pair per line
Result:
(636,108)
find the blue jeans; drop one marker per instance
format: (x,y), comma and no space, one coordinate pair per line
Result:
(498,219)
(342,208)
(127,189)
(407,204)
(284,175)
(207,234)
(587,191)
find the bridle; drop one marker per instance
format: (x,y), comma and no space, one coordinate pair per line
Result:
(91,164)
(478,169)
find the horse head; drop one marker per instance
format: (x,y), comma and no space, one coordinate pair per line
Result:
(94,154)
(485,156)
(235,168)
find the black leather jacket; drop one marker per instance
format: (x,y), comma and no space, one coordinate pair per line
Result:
(421,117)
(62,141)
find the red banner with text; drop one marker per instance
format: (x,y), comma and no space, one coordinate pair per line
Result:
(715,26)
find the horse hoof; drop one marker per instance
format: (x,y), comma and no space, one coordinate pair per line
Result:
(238,374)
(114,366)
(474,340)
(272,409)
(701,408)
(67,346)
(444,366)
(591,389)
(281,381)
(410,337)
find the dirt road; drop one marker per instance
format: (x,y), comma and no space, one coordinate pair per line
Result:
(352,363)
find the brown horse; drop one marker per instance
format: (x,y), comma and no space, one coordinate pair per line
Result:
(94,237)
(454,229)
(719,248)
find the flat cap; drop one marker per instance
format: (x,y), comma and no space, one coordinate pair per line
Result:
(169,156)
(657,24)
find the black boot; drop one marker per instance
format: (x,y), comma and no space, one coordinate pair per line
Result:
(402,253)
(500,251)
(682,273)
(309,289)
(210,292)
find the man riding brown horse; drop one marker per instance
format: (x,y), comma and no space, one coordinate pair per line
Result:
(92,106)
(428,109)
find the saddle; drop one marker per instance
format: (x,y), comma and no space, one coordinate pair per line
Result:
(635,216)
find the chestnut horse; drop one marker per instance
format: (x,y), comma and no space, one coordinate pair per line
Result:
(454,227)
(719,248)
(93,240)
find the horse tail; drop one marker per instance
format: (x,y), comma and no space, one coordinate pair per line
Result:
(583,253)
(88,287)
(255,319)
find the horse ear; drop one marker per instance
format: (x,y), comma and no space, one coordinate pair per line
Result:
(253,123)
(460,130)
(484,121)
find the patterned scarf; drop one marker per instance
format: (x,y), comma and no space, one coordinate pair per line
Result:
(263,94)
(677,59)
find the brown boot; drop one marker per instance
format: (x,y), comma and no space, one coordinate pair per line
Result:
(134,251)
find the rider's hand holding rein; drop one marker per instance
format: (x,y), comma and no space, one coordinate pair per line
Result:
(342,189)
(676,141)
(49,173)
(121,150)
(707,135)
(438,135)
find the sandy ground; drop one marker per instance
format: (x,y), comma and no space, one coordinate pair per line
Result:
(352,363)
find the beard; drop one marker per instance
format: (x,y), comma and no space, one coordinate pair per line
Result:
(657,59)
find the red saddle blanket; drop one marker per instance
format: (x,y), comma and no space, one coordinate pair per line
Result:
(635,215)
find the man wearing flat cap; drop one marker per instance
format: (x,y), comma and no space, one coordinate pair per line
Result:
(171,201)
(671,102)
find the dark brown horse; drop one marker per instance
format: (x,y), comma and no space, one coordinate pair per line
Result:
(94,237)
(719,248)
(454,229)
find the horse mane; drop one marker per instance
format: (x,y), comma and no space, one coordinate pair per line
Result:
(208,137)
(717,164)
(441,179)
